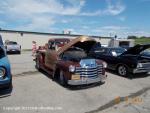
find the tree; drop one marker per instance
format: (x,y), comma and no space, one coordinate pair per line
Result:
(132,37)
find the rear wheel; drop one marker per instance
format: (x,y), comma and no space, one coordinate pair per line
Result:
(122,70)
(37,64)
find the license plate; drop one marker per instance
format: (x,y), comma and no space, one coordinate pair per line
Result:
(75,77)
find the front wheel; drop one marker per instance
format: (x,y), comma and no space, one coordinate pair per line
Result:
(62,79)
(122,70)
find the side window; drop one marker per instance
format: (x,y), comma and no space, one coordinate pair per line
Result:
(51,45)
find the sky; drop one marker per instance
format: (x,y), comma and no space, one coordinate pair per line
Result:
(86,17)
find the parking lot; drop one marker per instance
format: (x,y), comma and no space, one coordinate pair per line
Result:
(36,92)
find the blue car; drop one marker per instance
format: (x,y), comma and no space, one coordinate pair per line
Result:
(5,73)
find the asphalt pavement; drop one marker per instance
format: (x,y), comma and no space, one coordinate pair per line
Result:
(36,92)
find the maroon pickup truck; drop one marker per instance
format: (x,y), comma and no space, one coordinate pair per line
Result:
(69,63)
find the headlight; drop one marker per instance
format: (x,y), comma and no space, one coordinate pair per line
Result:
(139,65)
(104,64)
(71,68)
(2,72)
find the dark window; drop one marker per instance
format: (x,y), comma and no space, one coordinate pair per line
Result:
(74,53)
(51,45)
(11,43)
(124,44)
(101,51)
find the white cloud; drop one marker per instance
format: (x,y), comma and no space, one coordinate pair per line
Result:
(85,27)
(114,8)
(122,18)
(114,28)
(96,13)
(137,33)
(38,14)
(2,23)
(120,31)
(64,21)
(40,23)
(29,7)
(111,30)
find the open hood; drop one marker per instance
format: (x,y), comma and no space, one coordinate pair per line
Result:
(82,42)
(137,49)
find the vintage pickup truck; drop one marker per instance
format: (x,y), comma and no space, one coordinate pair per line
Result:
(68,62)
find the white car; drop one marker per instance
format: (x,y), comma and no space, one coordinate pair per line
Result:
(12,47)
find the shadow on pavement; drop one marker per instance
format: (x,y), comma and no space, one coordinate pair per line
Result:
(69,87)
(83,87)
(141,75)
(13,53)
(130,76)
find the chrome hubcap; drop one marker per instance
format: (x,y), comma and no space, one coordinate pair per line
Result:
(122,70)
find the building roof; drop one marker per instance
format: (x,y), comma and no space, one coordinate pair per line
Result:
(44,33)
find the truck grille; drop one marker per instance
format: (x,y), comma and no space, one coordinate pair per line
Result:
(89,72)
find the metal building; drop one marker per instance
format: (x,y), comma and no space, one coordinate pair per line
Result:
(25,38)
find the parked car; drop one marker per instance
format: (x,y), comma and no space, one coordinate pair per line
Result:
(146,53)
(70,64)
(5,73)
(12,47)
(124,61)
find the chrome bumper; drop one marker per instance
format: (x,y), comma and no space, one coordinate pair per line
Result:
(141,70)
(87,80)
